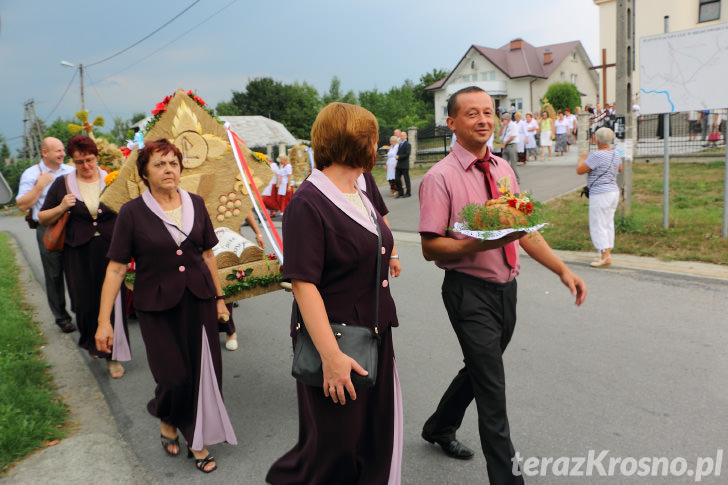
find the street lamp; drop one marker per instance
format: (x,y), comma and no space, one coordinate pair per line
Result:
(80,72)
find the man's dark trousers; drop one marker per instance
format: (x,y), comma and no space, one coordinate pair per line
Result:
(398,174)
(483,315)
(53,271)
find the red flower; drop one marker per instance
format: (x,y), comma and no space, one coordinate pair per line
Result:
(240,275)
(190,93)
(167,99)
(125,151)
(159,108)
(272,257)
(199,100)
(512,202)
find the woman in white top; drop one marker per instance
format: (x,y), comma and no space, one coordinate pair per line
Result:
(284,182)
(561,127)
(531,126)
(392,164)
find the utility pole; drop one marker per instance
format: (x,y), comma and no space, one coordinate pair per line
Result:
(83,101)
(31,131)
(623,91)
(80,73)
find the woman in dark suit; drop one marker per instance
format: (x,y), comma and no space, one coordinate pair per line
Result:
(178,301)
(346,435)
(88,234)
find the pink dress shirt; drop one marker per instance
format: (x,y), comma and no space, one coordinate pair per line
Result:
(446,188)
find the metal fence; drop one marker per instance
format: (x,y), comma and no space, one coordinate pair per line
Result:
(689,133)
(433,143)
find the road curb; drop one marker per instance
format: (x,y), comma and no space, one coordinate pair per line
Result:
(94,449)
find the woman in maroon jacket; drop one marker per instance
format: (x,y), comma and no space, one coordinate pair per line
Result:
(345,435)
(88,234)
(178,300)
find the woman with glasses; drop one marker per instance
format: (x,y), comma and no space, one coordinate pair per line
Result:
(88,235)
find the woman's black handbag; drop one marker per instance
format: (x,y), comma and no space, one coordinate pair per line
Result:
(359,343)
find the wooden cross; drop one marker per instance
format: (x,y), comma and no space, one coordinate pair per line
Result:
(603,67)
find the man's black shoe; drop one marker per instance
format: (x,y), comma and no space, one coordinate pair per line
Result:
(407,195)
(453,448)
(67,327)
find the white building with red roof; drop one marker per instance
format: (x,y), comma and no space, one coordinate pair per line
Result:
(518,73)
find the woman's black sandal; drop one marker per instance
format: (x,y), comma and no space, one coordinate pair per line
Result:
(169,442)
(201,463)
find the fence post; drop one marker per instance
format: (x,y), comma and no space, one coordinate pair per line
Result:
(412,137)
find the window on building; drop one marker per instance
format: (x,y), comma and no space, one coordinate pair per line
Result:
(518,102)
(444,110)
(573,79)
(563,76)
(487,76)
(472,64)
(573,56)
(709,10)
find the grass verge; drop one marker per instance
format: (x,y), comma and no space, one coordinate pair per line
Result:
(31,413)
(694,219)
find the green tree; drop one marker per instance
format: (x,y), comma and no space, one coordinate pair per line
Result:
(294,105)
(428,97)
(59,129)
(563,95)
(335,94)
(4,149)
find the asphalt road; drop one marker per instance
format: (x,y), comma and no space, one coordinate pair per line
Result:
(638,370)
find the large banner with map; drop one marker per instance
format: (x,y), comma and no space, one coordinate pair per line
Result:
(684,70)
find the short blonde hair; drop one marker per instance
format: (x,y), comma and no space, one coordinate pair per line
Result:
(346,134)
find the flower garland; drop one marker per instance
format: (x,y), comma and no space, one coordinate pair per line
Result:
(243,280)
(161,107)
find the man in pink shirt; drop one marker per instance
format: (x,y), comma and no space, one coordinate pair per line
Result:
(479,289)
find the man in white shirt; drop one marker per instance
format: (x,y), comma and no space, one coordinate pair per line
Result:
(510,140)
(34,185)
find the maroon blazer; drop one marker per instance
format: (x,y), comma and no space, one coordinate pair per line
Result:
(324,246)
(81,226)
(163,270)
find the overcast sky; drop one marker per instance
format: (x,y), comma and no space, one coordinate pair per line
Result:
(367,44)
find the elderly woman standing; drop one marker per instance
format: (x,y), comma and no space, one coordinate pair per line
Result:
(88,234)
(346,435)
(392,164)
(602,167)
(178,301)
(561,128)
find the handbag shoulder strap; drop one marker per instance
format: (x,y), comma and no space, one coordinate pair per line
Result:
(379,273)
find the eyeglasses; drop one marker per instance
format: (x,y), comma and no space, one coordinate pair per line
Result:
(88,161)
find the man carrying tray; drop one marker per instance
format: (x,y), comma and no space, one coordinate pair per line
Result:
(479,289)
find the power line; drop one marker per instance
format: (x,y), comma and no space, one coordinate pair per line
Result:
(99,96)
(167,44)
(144,38)
(63,96)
